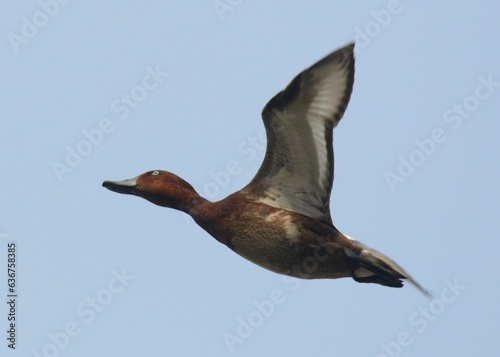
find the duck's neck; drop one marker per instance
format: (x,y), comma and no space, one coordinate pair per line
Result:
(176,194)
(187,206)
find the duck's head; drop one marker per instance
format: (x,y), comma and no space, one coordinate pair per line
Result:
(162,188)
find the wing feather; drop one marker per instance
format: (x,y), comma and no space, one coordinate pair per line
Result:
(297,172)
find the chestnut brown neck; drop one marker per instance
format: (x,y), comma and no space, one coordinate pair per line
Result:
(178,195)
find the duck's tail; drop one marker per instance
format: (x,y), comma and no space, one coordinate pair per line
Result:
(375,267)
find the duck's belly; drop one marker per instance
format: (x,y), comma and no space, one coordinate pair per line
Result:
(282,248)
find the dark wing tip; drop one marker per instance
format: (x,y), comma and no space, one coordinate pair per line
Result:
(343,56)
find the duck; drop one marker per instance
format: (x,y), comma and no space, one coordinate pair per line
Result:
(281,220)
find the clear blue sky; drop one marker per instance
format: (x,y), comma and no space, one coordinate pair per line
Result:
(107,90)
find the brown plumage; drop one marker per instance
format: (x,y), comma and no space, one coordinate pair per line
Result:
(281,220)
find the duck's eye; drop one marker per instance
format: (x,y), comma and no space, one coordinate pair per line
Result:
(154,173)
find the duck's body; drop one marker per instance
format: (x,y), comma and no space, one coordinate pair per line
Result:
(282,241)
(281,220)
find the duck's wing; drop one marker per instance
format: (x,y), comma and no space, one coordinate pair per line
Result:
(297,172)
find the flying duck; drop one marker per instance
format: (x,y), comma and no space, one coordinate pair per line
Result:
(281,220)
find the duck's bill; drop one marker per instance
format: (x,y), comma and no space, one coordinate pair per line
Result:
(125,186)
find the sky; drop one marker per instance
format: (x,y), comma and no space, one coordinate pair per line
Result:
(94,91)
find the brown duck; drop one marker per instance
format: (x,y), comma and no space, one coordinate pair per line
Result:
(281,220)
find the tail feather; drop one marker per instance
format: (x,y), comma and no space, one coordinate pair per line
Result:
(375,267)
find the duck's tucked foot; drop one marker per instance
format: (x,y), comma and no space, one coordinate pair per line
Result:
(375,267)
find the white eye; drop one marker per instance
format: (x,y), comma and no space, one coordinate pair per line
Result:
(154,173)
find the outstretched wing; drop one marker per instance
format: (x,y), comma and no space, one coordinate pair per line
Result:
(297,172)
